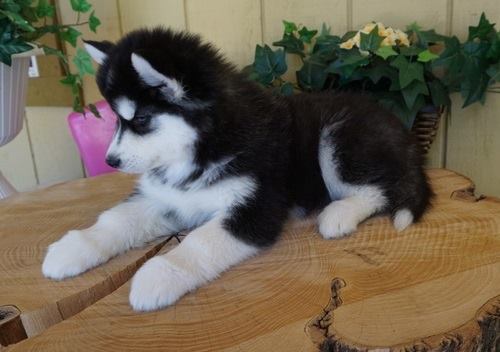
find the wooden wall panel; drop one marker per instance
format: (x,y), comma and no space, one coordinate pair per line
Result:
(107,12)
(148,13)
(398,14)
(232,25)
(16,163)
(54,151)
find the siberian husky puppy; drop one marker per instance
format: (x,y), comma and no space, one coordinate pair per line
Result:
(227,161)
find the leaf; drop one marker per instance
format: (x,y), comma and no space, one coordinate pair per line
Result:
(69,80)
(426,38)
(291,44)
(94,111)
(494,72)
(452,60)
(347,63)
(408,71)
(385,52)
(269,65)
(439,93)
(83,62)
(412,91)
(377,72)
(55,52)
(307,35)
(286,89)
(325,31)
(483,30)
(44,9)
(80,5)
(18,20)
(7,49)
(94,22)
(494,50)
(312,75)
(70,35)
(426,56)
(410,51)
(290,27)
(348,35)
(371,41)
(413,27)
(474,89)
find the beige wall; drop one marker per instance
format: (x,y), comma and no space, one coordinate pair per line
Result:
(468,142)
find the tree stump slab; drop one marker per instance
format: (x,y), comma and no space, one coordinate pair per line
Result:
(29,222)
(433,287)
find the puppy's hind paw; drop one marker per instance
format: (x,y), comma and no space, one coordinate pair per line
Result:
(336,221)
(71,255)
(158,284)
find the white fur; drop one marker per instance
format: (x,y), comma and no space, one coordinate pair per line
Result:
(403,219)
(201,257)
(95,53)
(171,144)
(125,107)
(174,90)
(197,205)
(352,204)
(129,224)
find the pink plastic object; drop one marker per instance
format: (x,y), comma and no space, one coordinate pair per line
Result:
(93,136)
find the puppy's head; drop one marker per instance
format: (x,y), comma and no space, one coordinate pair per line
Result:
(160,84)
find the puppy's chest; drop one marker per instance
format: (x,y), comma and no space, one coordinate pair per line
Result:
(194,204)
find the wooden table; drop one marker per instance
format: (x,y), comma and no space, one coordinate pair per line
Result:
(436,286)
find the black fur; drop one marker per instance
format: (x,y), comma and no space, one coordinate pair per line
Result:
(273,139)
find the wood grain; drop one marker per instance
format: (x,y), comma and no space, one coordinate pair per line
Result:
(435,284)
(29,222)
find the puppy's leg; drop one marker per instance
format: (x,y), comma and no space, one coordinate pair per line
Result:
(129,224)
(342,217)
(200,257)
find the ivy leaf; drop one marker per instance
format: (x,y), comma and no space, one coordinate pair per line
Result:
(44,9)
(286,89)
(307,35)
(377,72)
(494,50)
(426,38)
(411,50)
(94,22)
(347,63)
(408,71)
(70,35)
(414,26)
(452,60)
(291,44)
(312,75)
(439,93)
(80,5)
(370,41)
(83,62)
(290,27)
(426,56)
(7,49)
(494,72)
(348,35)
(18,20)
(69,80)
(385,52)
(412,91)
(268,64)
(482,30)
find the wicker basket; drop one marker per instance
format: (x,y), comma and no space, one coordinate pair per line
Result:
(426,125)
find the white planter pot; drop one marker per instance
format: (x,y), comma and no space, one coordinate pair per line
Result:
(13,88)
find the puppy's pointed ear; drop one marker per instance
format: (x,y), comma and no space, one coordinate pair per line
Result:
(170,88)
(98,50)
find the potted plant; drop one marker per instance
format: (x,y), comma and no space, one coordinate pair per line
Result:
(22,24)
(411,73)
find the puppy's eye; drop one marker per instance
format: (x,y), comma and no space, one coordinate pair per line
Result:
(140,119)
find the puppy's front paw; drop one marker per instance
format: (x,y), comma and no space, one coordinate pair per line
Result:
(158,284)
(336,221)
(70,256)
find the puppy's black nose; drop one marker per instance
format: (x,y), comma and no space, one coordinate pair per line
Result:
(113,161)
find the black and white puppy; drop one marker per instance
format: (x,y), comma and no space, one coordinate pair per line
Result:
(228,161)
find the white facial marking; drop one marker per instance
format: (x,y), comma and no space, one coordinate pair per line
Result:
(125,107)
(95,53)
(173,90)
(170,144)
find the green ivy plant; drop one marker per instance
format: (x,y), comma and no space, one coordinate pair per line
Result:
(417,70)
(24,22)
